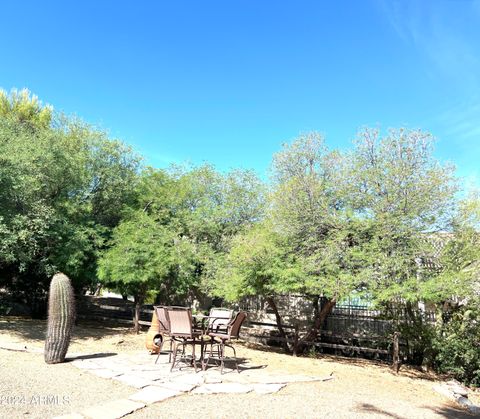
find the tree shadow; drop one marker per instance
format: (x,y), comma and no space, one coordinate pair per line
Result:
(370,408)
(446,411)
(91,356)
(35,330)
(251,367)
(230,364)
(263,348)
(451,412)
(405,370)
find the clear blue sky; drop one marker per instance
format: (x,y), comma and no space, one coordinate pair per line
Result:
(229,81)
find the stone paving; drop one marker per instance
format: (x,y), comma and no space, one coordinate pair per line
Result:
(155,383)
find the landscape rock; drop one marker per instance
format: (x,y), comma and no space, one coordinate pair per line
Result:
(133,380)
(458,388)
(267,388)
(105,373)
(113,410)
(444,390)
(223,388)
(154,394)
(172,385)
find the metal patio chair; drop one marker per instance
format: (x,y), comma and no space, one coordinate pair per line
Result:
(219,318)
(182,333)
(164,329)
(223,340)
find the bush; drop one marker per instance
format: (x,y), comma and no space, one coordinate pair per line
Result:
(457,346)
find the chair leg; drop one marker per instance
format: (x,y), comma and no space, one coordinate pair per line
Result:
(175,347)
(234,357)
(217,359)
(222,356)
(210,355)
(193,356)
(202,353)
(160,349)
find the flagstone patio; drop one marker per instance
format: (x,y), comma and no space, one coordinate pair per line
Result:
(155,383)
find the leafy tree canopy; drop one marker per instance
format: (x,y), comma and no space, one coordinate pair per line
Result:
(63,185)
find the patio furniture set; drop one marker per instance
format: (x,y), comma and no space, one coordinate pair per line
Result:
(213,334)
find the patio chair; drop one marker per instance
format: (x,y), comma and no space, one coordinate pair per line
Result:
(182,332)
(164,330)
(223,340)
(219,318)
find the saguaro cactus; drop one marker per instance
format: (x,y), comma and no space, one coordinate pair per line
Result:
(61,317)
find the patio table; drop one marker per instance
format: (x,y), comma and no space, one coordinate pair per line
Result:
(202,322)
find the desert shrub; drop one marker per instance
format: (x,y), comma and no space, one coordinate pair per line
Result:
(457,346)
(418,336)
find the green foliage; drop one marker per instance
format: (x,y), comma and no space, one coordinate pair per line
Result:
(62,186)
(312,208)
(24,108)
(258,263)
(366,221)
(460,257)
(61,319)
(407,195)
(457,346)
(139,256)
(179,223)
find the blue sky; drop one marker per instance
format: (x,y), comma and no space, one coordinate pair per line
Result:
(229,81)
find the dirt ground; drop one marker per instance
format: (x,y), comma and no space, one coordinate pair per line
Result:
(360,389)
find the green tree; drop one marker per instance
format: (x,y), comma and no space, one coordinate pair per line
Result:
(459,260)
(313,208)
(139,259)
(200,209)
(360,221)
(410,199)
(259,262)
(56,210)
(25,108)
(409,196)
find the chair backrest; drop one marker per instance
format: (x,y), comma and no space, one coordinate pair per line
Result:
(236,323)
(219,317)
(180,320)
(161,312)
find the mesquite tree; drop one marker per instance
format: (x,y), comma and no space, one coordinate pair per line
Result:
(354,221)
(63,186)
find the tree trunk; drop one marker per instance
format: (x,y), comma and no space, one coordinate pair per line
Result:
(283,335)
(302,344)
(136,316)
(396,352)
(295,341)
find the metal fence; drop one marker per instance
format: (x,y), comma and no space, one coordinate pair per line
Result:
(348,330)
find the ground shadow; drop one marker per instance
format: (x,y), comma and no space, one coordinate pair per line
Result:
(405,370)
(230,364)
(451,412)
(33,329)
(91,356)
(370,408)
(252,367)
(447,411)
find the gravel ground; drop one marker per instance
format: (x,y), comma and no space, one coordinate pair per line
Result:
(360,388)
(30,388)
(310,400)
